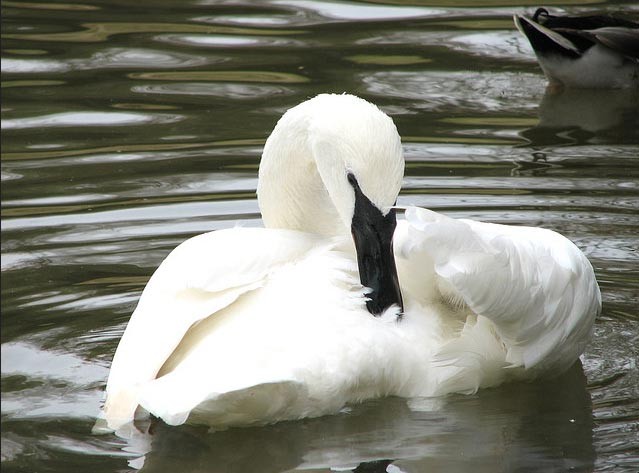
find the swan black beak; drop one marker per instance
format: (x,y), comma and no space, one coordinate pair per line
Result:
(373,236)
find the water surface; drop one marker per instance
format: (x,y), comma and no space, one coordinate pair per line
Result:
(127,128)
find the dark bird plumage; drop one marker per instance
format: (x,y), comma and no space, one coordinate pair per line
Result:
(591,51)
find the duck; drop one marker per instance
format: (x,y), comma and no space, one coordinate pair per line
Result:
(589,51)
(339,298)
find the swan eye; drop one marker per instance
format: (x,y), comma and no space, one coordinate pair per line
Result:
(352,180)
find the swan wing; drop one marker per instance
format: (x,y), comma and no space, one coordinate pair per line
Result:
(200,277)
(536,286)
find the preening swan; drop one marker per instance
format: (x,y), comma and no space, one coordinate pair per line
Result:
(336,301)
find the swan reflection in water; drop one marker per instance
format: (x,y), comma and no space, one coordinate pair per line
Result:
(545,425)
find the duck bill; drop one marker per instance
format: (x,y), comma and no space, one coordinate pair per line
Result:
(373,236)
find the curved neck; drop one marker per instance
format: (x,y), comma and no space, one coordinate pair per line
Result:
(290,191)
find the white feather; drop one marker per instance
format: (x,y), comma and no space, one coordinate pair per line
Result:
(535,285)
(598,67)
(183,291)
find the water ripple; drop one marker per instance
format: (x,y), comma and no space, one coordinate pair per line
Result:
(101,32)
(230,90)
(223,76)
(82,119)
(113,58)
(357,12)
(229,41)
(484,91)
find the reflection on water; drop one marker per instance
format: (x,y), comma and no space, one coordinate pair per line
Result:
(35,380)
(506,429)
(75,119)
(114,58)
(126,129)
(458,91)
(587,116)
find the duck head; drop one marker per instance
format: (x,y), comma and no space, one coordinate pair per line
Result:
(333,166)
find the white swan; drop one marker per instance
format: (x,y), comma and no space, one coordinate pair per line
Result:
(251,325)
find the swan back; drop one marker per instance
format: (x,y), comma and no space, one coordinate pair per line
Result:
(303,181)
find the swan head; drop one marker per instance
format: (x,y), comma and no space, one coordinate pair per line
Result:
(334,166)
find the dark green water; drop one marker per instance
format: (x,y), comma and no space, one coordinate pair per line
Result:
(129,126)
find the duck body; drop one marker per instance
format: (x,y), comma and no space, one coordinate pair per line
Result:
(596,51)
(256,325)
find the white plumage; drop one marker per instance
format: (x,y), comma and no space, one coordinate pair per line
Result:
(247,325)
